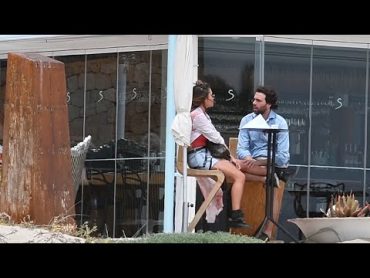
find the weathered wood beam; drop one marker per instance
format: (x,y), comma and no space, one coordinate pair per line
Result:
(37,180)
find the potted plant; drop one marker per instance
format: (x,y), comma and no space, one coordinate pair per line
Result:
(345,220)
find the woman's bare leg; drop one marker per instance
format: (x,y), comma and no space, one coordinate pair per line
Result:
(237,178)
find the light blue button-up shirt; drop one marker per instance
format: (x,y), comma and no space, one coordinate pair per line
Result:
(254,142)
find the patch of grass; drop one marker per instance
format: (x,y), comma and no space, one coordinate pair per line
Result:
(63,225)
(27,222)
(208,237)
(85,232)
(5,219)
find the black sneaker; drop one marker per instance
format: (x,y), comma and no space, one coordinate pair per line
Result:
(236,220)
(283,173)
(263,237)
(275,181)
(238,223)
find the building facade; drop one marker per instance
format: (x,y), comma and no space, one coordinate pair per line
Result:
(117,93)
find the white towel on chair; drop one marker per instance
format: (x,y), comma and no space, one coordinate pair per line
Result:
(216,206)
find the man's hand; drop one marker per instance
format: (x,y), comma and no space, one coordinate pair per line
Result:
(247,163)
(236,162)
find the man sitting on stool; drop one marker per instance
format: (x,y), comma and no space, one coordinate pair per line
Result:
(252,146)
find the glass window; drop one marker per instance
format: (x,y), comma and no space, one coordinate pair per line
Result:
(287,69)
(101,85)
(368,130)
(141,133)
(327,109)
(75,83)
(155,176)
(227,64)
(338,106)
(122,180)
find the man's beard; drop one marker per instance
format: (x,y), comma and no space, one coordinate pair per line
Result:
(257,112)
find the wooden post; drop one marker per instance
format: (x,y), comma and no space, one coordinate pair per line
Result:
(37,176)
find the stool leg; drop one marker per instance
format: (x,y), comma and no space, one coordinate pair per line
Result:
(205,205)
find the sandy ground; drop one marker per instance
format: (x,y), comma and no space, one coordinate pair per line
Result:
(17,234)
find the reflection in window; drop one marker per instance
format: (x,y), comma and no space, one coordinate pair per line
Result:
(75,83)
(125,163)
(322,95)
(227,64)
(101,84)
(338,106)
(287,69)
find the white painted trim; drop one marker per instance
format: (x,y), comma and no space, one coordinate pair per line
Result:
(23,37)
(62,45)
(228,36)
(353,41)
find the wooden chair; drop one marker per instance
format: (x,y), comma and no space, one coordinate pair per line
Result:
(254,200)
(216,175)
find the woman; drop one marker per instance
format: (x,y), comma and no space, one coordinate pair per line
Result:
(199,156)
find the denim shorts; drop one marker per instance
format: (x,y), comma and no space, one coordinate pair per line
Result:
(201,159)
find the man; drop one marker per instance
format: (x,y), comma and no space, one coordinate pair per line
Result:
(252,145)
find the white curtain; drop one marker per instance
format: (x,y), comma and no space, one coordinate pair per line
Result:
(181,125)
(183,85)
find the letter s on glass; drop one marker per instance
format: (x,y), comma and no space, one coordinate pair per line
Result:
(101,96)
(231,93)
(339,100)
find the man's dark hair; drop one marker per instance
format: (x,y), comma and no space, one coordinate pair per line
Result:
(271,95)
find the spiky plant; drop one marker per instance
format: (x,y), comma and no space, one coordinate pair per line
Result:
(346,206)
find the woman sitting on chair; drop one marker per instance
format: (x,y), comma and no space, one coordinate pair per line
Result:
(199,156)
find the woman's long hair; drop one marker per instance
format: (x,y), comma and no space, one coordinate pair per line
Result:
(200,93)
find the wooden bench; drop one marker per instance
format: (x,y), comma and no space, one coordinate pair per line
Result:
(216,175)
(253,202)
